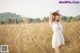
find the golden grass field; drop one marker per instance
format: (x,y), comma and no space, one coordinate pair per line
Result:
(36,37)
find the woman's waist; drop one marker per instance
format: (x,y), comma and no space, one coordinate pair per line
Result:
(57,32)
(54,33)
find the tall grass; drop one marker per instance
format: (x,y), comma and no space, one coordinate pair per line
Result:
(36,38)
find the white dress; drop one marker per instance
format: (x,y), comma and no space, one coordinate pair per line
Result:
(57,37)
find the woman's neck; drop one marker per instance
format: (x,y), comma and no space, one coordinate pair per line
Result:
(56,21)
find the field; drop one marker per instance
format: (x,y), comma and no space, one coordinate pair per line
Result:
(36,37)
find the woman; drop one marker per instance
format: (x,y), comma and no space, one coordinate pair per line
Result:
(57,38)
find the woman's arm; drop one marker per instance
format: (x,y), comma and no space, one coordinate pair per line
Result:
(50,19)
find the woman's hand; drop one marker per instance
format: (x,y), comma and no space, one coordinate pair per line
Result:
(51,13)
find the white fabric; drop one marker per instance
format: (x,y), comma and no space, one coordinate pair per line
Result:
(57,38)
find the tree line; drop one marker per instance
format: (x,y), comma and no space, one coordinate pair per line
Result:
(13,18)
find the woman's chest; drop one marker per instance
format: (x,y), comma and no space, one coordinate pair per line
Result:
(57,26)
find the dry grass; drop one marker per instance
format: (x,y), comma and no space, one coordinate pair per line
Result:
(36,38)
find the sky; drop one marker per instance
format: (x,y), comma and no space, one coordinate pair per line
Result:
(38,8)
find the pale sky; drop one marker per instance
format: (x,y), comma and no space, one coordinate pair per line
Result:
(38,8)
